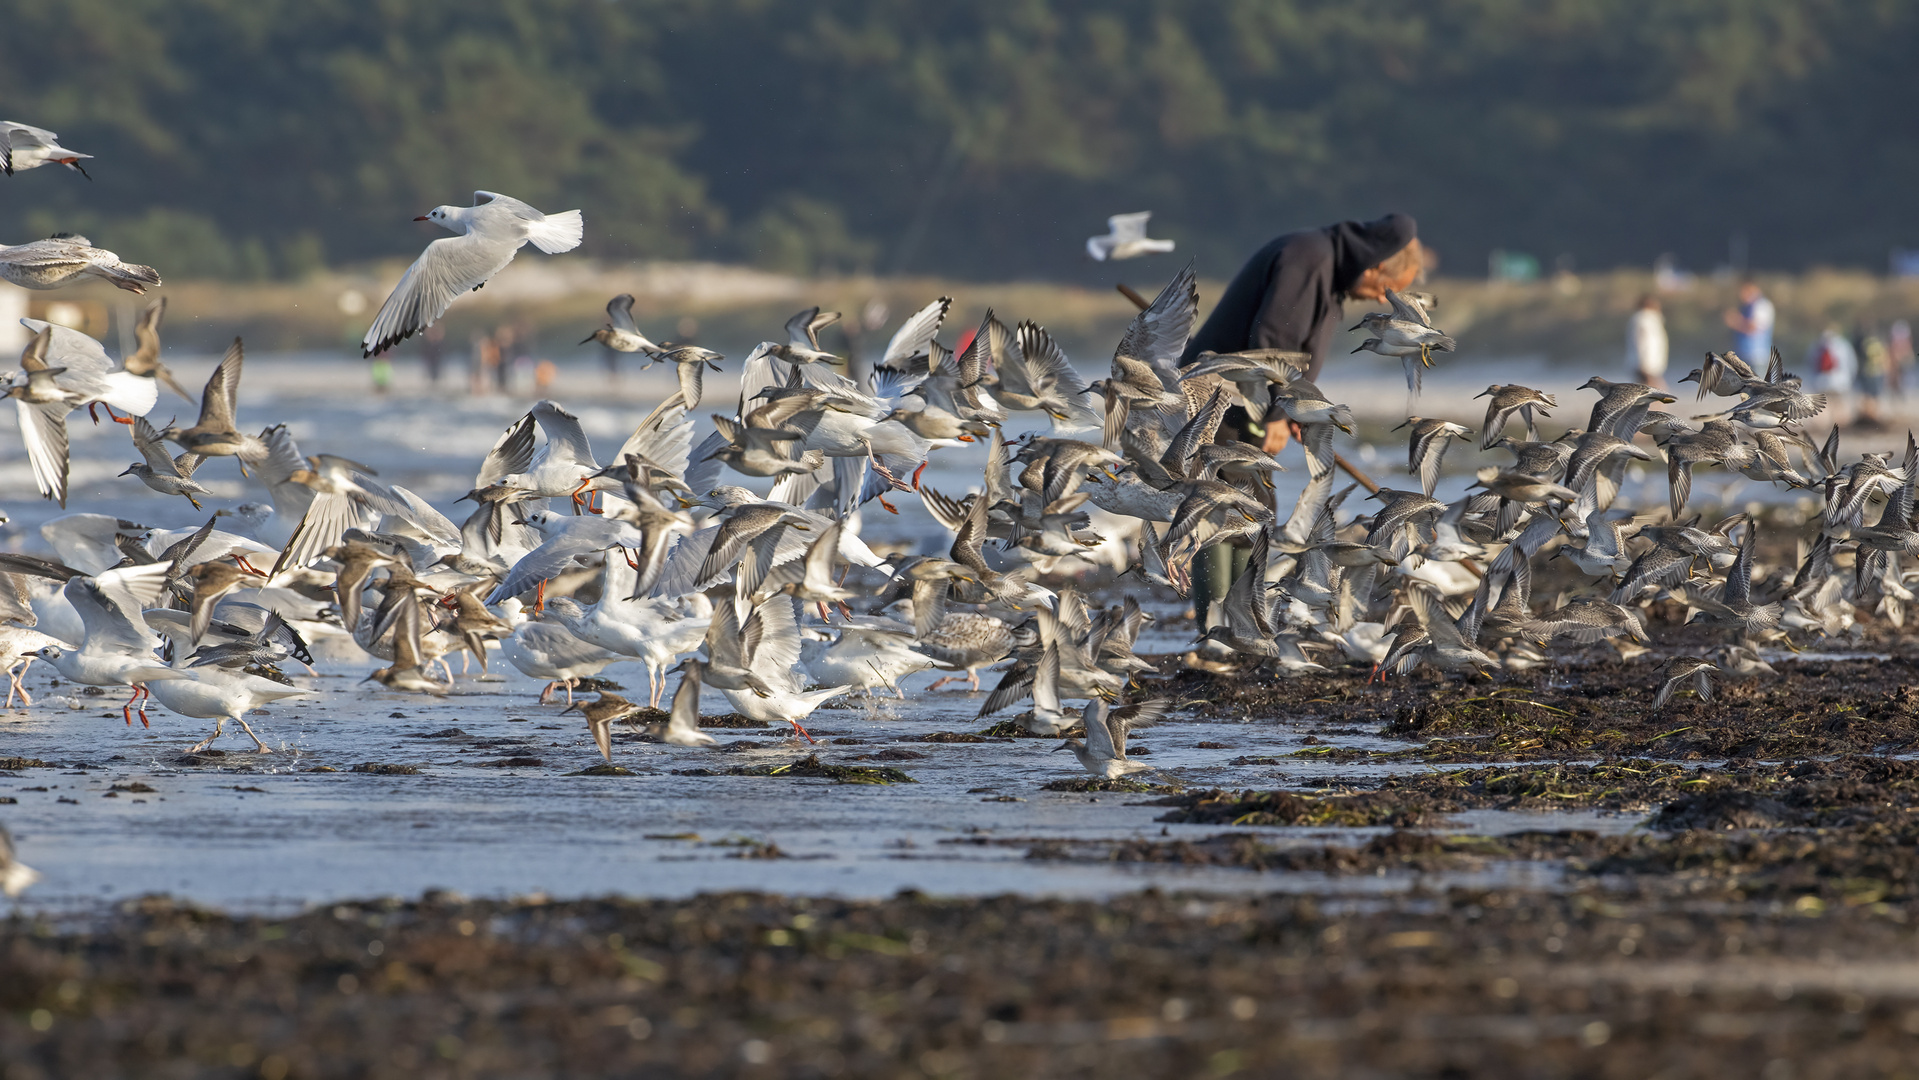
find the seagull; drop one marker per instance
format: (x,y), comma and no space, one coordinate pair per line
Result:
(758,668)
(19,648)
(23,146)
(655,631)
(492,231)
(216,694)
(118,646)
(64,257)
(1103,753)
(1125,238)
(564,466)
(870,653)
(547,650)
(15,875)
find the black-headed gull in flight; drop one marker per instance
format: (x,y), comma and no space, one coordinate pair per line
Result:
(1125,238)
(493,229)
(23,146)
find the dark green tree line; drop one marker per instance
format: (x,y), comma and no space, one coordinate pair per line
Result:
(266,137)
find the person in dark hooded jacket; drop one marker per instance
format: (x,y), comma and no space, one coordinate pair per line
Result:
(1290,295)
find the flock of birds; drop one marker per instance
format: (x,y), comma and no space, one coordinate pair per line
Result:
(569,562)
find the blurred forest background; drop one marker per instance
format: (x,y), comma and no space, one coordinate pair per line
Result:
(259,139)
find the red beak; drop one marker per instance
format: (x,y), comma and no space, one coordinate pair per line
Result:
(422,217)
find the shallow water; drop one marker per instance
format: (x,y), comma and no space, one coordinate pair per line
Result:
(316,836)
(312,837)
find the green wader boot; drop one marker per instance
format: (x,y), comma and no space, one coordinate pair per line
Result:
(1214,570)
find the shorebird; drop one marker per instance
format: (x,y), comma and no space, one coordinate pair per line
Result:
(1426,447)
(621,333)
(161,472)
(1103,751)
(682,724)
(600,715)
(1677,671)
(1509,401)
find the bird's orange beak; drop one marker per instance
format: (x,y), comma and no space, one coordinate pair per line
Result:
(422,217)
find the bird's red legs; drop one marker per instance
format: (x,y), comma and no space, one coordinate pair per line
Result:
(578,499)
(917,472)
(539,601)
(802,731)
(127,710)
(627,554)
(822,606)
(142,710)
(889,506)
(241,561)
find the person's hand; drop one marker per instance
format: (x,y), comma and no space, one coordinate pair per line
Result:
(1277,436)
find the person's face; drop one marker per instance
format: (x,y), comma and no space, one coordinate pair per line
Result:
(1748,293)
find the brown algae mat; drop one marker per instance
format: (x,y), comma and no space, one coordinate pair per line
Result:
(1450,984)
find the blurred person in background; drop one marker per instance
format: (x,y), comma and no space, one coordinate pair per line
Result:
(1646,345)
(504,357)
(1898,358)
(433,351)
(1834,366)
(485,358)
(1875,365)
(1751,325)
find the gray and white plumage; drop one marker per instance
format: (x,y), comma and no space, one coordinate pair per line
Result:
(1511,400)
(160,471)
(65,258)
(1426,447)
(1103,752)
(621,333)
(23,147)
(1680,670)
(15,876)
(492,231)
(1126,238)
